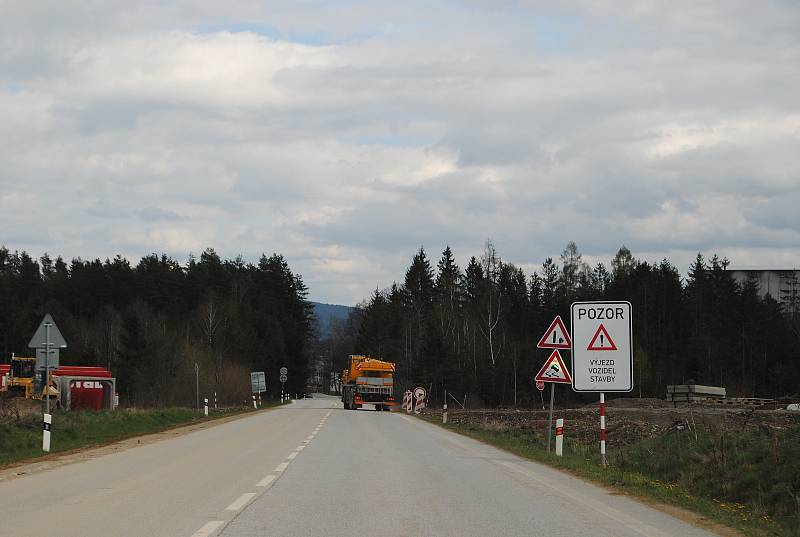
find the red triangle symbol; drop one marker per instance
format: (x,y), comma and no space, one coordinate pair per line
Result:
(556,336)
(601,341)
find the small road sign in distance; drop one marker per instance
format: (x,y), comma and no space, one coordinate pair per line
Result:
(602,346)
(258,382)
(284,371)
(283,378)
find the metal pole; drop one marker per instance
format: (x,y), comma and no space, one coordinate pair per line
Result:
(603,427)
(550,420)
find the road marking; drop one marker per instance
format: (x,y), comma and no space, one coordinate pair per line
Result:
(208,529)
(300,448)
(281,467)
(266,481)
(292,455)
(241,501)
(310,437)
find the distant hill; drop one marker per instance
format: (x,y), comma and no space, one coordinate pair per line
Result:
(325,313)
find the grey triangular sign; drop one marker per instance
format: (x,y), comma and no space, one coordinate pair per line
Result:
(40,337)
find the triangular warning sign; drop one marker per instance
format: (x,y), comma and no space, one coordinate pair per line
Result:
(556,337)
(601,341)
(554,370)
(56,339)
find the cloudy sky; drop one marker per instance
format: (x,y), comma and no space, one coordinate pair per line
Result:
(347,134)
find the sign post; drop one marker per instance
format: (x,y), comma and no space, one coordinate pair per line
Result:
(46,337)
(602,352)
(420,395)
(283,378)
(555,372)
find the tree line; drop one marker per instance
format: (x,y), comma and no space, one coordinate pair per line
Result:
(474,331)
(152,322)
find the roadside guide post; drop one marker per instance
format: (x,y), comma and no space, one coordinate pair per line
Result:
(205,406)
(444,408)
(554,370)
(559,437)
(602,352)
(197,385)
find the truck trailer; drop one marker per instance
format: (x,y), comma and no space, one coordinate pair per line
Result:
(368,380)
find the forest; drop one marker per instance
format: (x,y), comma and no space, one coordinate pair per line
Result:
(474,331)
(152,322)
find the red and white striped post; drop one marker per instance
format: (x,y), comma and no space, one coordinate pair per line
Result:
(559,437)
(603,427)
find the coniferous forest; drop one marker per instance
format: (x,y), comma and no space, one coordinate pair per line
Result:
(473,330)
(150,323)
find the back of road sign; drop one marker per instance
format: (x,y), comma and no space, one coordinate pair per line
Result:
(602,346)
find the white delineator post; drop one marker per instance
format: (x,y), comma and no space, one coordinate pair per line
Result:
(46,425)
(559,437)
(444,408)
(603,427)
(205,406)
(215,399)
(254,402)
(259,398)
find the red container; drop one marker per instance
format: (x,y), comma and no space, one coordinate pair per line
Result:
(85,392)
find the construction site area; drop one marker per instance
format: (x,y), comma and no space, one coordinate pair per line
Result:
(630,420)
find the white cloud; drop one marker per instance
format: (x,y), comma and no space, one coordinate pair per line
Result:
(347,136)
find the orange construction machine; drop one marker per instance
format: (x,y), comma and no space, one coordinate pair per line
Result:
(368,380)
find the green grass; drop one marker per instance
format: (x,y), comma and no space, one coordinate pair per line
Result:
(22,440)
(747,481)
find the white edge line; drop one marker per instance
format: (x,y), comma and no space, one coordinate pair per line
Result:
(300,448)
(281,467)
(241,501)
(310,437)
(266,481)
(291,456)
(208,528)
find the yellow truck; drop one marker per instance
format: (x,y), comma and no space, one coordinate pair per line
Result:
(368,380)
(21,379)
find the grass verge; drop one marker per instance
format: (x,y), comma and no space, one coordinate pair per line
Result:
(22,440)
(683,471)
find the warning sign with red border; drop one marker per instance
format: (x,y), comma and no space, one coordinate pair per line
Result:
(601,341)
(554,370)
(556,337)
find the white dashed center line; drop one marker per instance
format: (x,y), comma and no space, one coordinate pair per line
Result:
(300,448)
(241,501)
(291,456)
(266,481)
(208,529)
(281,467)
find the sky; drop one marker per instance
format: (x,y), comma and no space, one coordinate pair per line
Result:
(346,135)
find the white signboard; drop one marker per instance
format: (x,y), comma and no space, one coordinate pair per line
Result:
(602,346)
(258,382)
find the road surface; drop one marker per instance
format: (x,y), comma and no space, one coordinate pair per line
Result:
(313,469)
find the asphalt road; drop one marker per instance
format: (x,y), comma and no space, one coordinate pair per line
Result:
(313,469)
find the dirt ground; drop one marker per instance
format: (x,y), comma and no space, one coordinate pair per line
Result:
(628,420)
